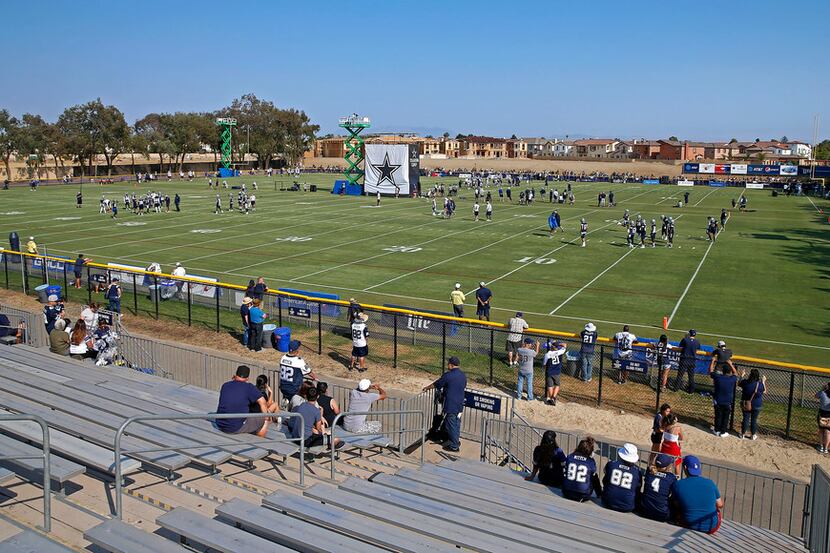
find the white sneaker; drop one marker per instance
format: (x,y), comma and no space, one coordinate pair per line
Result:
(754,437)
(716,433)
(724,435)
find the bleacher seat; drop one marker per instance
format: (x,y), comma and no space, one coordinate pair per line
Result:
(32,542)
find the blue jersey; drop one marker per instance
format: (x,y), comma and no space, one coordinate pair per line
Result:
(620,485)
(552,223)
(579,472)
(654,501)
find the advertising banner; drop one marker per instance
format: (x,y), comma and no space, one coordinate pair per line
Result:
(738,169)
(416,323)
(123,273)
(722,169)
(717,184)
(691,168)
(329,310)
(754,185)
(629,365)
(387,169)
(54,265)
(414,168)
(706,168)
(651,181)
(204,290)
(763,169)
(789,170)
(685,183)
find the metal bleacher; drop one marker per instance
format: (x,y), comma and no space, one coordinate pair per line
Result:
(392,505)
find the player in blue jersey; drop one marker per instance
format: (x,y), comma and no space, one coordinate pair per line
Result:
(553,224)
(621,482)
(581,480)
(657,482)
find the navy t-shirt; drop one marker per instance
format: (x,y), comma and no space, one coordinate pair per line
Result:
(620,485)
(689,347)
(579,472)
(453,383)
(235,396)
(749,388)
(724,391)
(589,340)
(484,294)
(258,291)
(654,501)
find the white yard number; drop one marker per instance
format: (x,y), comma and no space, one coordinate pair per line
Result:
(655,485)
(577,473)
(402,249)
(537,260)
(622,479)
(294,239)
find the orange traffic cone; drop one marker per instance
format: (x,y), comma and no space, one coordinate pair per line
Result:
(665,323)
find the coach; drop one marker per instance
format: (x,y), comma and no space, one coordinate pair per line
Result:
(688,351)
(483,297)
(452,383)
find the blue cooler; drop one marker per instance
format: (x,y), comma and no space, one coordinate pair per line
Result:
(267,333)
(281,338)
(55,290)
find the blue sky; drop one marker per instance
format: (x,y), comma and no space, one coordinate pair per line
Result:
(701,70)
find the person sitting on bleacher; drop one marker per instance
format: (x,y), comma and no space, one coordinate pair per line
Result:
(657,482)
(548,461)
(581,478)
(237,396)
(311,430)
(696,501)
(59,338)
(293,371)
(361,400)
(622,480)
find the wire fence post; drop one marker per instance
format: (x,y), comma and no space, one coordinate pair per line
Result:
(790,405)
(6,268)
(24,259)
(394,340)
(279,310)
(443,344)
(492,338)
(189,307)
(88,286)
(135,295)
(601,370)
(319,328)
(732,407)
(43,270)
(217,308)
(65,284)
(156,295)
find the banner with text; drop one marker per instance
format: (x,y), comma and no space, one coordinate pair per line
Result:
(706,168)
(738,169)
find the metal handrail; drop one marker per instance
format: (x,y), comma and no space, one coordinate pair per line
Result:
(119,484)
(342,414)
(47,476)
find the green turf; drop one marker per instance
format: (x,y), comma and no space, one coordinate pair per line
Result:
(763,285)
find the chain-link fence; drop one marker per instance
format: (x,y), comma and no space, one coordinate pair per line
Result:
(424,341)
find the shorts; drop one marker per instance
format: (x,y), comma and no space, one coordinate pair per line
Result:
(656,437)
(483,311)
(512,347)
(252,425)
(315,440)
(552,380)
(360,351)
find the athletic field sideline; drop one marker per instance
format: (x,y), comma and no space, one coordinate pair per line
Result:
(762,286)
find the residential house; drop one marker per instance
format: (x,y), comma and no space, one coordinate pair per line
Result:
(564,148)
(645,149)
(517,148)
(450,147)
(486,147)
(596,147)
(539,147)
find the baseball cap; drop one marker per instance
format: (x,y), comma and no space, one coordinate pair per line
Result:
(692,332)
(692,465)
(32,238)
(454,361)
(53,297)
(721,343)
(590,327)
(663,460)
(481,283)
(628,452)
(519,314)
(457,285)
(528,340)
(364,384)
(178,264)
(294,345)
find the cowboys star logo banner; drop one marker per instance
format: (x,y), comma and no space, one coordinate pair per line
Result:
(387,169)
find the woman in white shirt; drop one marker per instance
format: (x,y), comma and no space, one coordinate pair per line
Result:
(80,342)
(90,315)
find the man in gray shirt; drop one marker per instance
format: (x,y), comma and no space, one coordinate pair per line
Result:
(526,354)
(517,326)
(361,400)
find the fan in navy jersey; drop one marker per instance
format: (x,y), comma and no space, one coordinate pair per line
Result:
(622,480)
(657,482)
(583,230)
(553,370)
(581,480)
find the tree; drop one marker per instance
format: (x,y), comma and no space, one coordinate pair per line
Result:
(784,139)
(514,137)
(674,139)
(152,129)
(9,139)
(757,140)
(446,134)
(34,142)
(298,135)
(822,150)
(93,128)
(733,140)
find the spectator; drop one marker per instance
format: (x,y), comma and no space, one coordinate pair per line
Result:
(688,352)
(581,478)
(238,396)
(354,310)
(51,312)
(361,400)
(267,394)
(59,338)
(752,399)
(79,341)
(259,289)
(452,384)
(90,315)
(657,483)
(696,500)
(78,268)
(329,405)
(623,352)
(360,345)
(586,350)
(661,359)
(526,355)
(823,397)
(553,370)
(256,318)
(105,344)
(483,298)
(622,480)
(31,246)
(20,334)
(113,296)
(293,370)
(722,357)
(672,436)
(179,272)
(723,397)
(311,429)
(299,397)
(548,461)
(249,291)
(517,326)
(657,428)
(245,313)
(458,298)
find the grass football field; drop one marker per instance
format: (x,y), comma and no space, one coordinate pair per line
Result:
(763,286)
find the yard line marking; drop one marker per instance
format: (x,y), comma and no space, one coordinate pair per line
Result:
(814,205)
(704,197)
(689,285)
(513,236)
(593,280)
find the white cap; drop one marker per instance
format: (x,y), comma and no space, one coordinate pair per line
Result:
(481,283)
(590,327)
(31,238)
(628,453)
(364,384)
(457,285)
(53,297)
(721,343)
(178,264)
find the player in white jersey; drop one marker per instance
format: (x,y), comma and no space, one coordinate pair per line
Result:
(360,347)
(583,231)
(488,210)
(253,200)
(476,209)
(434,208)
(218,206)
(623,351)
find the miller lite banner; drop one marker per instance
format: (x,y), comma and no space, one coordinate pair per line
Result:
(387,169)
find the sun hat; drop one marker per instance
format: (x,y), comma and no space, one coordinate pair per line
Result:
(364,384)
(246,300)
(628,453)
(692,465)
(590,327)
